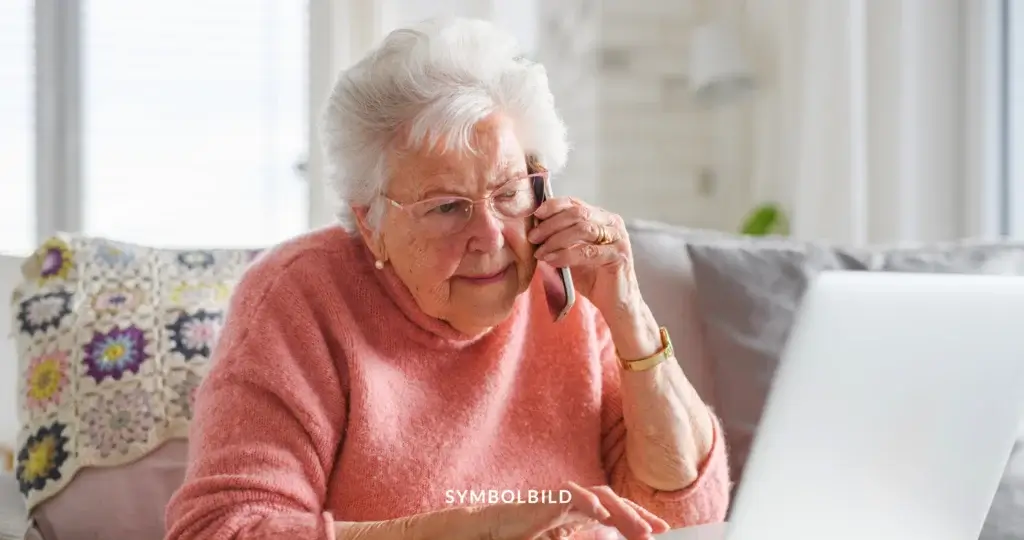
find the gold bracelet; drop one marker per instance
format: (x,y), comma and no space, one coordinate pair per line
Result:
(644,364)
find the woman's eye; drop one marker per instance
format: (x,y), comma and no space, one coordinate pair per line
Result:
(446,208)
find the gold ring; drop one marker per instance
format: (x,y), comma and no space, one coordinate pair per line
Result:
(603,238)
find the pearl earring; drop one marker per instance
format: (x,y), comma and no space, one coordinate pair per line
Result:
(379,265)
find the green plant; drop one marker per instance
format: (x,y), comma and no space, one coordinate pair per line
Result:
(765,220)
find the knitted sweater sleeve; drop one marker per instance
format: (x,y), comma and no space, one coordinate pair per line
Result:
(706,500)
(268,420)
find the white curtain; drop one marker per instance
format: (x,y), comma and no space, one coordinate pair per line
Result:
(857,121)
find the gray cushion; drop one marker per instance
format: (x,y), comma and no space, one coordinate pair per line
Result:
(747,294)
(748,291)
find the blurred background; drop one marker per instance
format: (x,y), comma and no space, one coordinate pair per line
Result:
(188,123)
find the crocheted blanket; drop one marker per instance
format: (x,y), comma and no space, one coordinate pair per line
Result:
(112,341)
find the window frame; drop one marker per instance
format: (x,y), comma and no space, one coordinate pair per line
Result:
(340,32)
(58,113)
(985,177)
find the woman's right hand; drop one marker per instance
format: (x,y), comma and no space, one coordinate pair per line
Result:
(593,513)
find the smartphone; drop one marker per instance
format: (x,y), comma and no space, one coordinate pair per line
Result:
(558,286)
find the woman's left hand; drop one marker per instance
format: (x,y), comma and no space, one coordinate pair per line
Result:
(594,244)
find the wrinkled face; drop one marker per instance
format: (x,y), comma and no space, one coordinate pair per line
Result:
(470,278)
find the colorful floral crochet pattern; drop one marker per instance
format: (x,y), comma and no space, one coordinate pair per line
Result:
(113,339)
(42,456)
(46,379)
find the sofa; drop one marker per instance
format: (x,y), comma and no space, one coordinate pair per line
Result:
(728,302)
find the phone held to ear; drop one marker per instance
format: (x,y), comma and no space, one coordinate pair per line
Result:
(558,286)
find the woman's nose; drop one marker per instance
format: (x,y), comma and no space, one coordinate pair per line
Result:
(486,231)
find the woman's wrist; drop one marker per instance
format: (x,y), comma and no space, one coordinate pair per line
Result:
(635,331)
(462,523)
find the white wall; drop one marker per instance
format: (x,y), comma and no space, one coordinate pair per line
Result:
(642,146)
(654,140)
(568,40)
(646,149)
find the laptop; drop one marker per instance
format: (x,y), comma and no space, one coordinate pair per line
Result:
(892,414)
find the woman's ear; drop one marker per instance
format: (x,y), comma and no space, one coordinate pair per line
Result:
(373,239)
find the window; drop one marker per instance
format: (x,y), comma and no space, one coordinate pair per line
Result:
(194,121)
(17,225)
(176,124)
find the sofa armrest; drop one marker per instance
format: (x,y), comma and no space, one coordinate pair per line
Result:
(14,522)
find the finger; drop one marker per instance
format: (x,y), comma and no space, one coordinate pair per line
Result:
(584,254)
(558,221)
(560,532)
(586,502)
(554,514)
(657,524)
(624,517)
(529,520)
(578,233)
(597,532)
(554,205)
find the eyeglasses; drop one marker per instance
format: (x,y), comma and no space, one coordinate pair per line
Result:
(444,216)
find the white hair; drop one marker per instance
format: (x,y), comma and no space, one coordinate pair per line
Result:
(436,79)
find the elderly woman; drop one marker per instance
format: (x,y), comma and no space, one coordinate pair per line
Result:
(368,378)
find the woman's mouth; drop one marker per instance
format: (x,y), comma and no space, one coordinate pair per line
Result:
(487,279)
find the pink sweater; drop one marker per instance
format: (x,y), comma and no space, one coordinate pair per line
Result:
(332,397)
